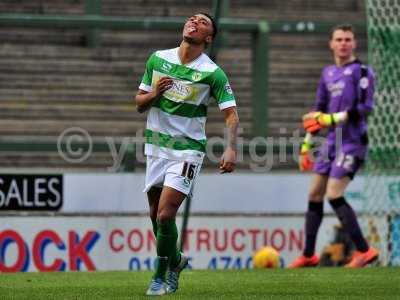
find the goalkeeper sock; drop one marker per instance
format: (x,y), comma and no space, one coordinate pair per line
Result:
(349,221)
(166,245)
(314,217)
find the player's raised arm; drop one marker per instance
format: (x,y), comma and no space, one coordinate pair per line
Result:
(228,159)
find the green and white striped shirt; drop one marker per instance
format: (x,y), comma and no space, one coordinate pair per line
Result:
(176,122)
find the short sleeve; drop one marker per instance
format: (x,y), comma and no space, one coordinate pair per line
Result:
(145,84)
(221,90)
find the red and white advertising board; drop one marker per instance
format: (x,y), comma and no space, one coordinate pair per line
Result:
(127,243)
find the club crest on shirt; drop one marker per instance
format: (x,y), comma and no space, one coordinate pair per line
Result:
(196,76)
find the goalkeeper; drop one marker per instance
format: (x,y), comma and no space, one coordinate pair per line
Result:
(344,99)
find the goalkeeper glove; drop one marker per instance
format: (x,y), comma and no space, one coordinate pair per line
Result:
(305,161)
(314,121)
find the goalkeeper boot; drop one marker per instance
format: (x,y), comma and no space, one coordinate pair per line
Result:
(157,287)
(172,277)
(361,259)
(304,261)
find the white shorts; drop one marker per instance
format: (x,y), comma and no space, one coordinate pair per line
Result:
(179,175)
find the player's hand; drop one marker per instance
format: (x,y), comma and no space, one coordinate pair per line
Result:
(311,122)
(316,120)
(144,100)
(162,85)
(305,161)
(228,161)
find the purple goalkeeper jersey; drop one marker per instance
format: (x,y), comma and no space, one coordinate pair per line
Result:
(339,90)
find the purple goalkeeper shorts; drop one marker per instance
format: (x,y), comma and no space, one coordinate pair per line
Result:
(337,166)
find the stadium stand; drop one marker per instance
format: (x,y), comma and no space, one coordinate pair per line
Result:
(50,81)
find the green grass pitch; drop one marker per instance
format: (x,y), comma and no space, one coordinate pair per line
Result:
(318,283)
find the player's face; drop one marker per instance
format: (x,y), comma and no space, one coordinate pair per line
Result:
(342,44)
(198,29)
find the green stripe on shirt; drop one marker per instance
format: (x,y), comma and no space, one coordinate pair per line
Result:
(176,143)
(181,109)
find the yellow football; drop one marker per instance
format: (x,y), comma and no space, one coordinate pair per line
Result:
(266,257)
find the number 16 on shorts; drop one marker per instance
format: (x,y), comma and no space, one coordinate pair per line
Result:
(188,172)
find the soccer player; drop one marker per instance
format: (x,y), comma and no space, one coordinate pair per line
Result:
(344,99)
(176,90)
